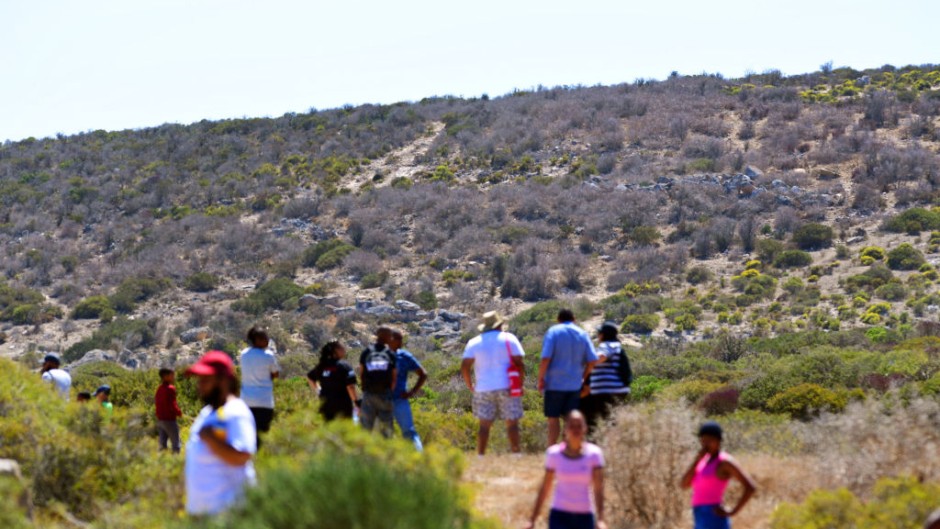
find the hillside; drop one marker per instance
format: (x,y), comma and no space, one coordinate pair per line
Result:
(769,244)
(668,188)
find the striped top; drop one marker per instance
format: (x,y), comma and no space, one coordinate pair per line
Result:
(605,379)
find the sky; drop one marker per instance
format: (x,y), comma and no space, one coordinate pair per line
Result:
(69,66)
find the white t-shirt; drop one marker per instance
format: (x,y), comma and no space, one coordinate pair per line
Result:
(257,386)
(212,485)
(61,380)
(491,359)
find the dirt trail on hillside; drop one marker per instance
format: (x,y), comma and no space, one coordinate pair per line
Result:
(400,163)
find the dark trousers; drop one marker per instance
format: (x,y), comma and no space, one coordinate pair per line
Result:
(263,418)
(570,520)
(598,407)
(169,432)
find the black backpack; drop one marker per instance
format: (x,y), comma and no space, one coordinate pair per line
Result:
(377,367)
(624,369)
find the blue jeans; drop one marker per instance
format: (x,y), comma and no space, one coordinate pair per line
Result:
(705,518)
(406,422)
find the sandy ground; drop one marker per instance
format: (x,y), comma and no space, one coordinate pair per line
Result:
(506,487)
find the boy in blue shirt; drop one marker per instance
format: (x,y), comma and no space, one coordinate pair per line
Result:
(406,363)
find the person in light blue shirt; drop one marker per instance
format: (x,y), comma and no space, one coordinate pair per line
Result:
(401,397)
(259,369)
(568,357)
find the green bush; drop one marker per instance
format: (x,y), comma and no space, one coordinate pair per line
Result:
(645,235)
(905,257)
(276,294)
(698,274)
(876,253)
(135,290)
(91,307)
(914,220)
(893,291)
(793,259)
(369,483)
(646,387)
(813,236)
(327,254)
(641,323)
(769,249)
(897,503)
(373,280)
(201,282)
(29,302)
(130,334)
(806,400)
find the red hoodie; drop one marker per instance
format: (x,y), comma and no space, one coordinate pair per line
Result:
(167,408)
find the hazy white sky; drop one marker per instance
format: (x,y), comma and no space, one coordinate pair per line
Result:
(75,65)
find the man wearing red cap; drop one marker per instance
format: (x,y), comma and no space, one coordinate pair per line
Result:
(222,440)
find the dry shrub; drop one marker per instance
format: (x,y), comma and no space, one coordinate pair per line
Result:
(648,448)
(875,439)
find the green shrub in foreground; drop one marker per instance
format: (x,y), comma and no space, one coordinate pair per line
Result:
(905,257)
(356,480)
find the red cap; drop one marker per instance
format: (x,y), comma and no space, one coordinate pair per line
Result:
(213,363)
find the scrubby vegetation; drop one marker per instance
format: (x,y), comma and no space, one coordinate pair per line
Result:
(770,243)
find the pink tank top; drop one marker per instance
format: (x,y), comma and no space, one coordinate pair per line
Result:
(707,487)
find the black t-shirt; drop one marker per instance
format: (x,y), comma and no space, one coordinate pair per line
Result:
(333,380)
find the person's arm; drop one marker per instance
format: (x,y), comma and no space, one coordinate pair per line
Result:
(422,378)
(222,449)
(176,405)
(588,368)
(543,369)
(313,386)
(543,494)
(275,369)
(351,389)
(750,487)
(598,476)
(465,369)
(686,482)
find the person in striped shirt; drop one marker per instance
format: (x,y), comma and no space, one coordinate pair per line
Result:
(609,383)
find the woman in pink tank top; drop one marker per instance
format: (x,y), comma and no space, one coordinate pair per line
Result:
(708,477)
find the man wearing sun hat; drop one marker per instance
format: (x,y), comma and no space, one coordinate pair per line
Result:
(222,440)
(489,357)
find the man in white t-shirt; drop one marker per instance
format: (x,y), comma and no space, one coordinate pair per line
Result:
(222,440)
(489,356)
(259,369)
(51,373)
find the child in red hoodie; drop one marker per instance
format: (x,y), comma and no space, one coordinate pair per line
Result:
(168,411)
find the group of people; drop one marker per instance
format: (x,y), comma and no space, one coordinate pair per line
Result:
(580,384)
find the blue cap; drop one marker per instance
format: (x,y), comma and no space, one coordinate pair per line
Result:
(711,429)
(106,389)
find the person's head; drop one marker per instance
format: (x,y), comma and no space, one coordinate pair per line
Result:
(565,316)
(608,332)
(51,361)
(167,375)
(397,340)
(103,393)
(576,428)
(332,351)
(933,521)
(710,435)
(83,397)
(216,377)
(492,321)
(383,335)
(258,337)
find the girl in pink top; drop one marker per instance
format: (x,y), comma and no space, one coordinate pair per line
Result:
(708,477)
(578,467)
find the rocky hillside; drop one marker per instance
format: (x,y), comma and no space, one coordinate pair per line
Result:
(683,208)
